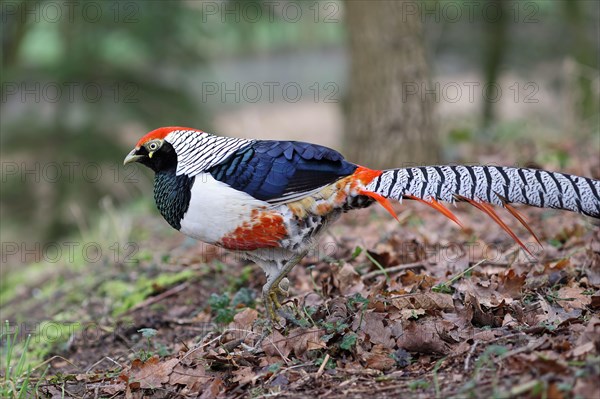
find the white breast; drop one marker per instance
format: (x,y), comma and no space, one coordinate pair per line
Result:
(216,209)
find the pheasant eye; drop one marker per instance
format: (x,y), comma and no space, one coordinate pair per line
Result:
(153,146)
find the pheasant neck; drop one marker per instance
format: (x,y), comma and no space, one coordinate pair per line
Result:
(172,194)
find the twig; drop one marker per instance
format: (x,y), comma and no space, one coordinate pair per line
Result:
(231,345)
(468,359)
(445,287)
(436,382)
(100,361)
(532,346)
(323,365)
(394,269)
(297,366)
(519,390)
(505,337)
(225,332)
(381,268)
(283,357)
(202,346)
(491,341)
(52,359)
(158,298)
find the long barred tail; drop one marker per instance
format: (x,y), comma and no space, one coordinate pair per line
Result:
(496,185)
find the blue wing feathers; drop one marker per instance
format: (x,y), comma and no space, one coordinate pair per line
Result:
(269,170)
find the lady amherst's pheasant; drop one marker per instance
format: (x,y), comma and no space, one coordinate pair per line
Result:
(269,200)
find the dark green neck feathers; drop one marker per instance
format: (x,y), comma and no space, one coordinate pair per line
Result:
(172,195)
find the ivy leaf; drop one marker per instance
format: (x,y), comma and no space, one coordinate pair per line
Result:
(348,341)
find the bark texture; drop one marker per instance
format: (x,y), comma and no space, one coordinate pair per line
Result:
(389,119)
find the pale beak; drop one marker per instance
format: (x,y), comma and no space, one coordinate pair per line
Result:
(132,157)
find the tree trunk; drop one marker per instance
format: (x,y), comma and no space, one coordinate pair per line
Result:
(586,55)
(389,121)
(497,44)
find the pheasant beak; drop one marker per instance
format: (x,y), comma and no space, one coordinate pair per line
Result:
(133,156)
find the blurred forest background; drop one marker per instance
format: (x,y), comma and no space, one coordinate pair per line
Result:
(82,82)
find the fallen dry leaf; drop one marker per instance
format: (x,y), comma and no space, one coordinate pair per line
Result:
(280,381)
(593,270)
(554,315)
(572,298)
(409,278)
(213,390)
(338,311)
(425,300)
(546,363)
(347,280)
(303,340)
(511,284)
(509,321)
(412,313)
(489,293)
(424,336)
(479,316)
(583,349)
(243,375)
(113,389)
(373,326)
(192,378)
(587,387)
(246,318)
(152,373)
(277,345)
(379,358)
(591,335)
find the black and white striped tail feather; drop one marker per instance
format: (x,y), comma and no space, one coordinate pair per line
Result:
(492,184)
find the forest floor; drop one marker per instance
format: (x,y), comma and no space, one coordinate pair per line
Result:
(417,308)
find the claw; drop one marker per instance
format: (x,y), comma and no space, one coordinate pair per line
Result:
(277,286)
(272,298)
(284,286)
(274,294)
(269,305)
(272,304)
